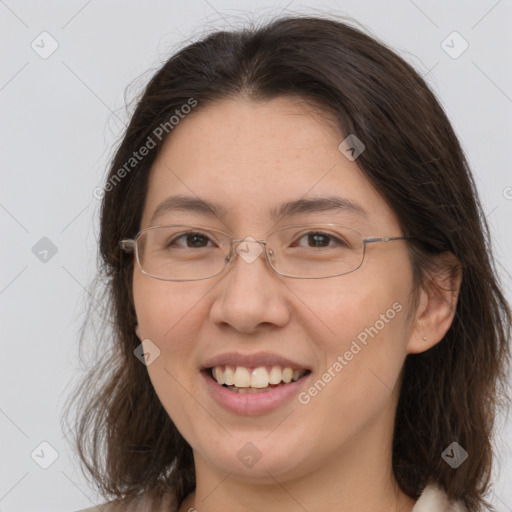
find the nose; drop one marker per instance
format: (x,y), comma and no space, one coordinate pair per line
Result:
(250,294)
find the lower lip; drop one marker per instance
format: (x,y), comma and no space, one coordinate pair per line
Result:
(251,404)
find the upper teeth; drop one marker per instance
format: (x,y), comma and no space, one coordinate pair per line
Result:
(259,377)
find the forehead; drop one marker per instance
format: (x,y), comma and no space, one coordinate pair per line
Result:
(251,157)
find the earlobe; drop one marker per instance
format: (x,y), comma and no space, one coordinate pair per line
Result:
(137,332)
(435,312)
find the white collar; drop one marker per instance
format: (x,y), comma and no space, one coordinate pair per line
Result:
(433,499)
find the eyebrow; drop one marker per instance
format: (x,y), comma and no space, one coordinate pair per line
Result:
(288,209)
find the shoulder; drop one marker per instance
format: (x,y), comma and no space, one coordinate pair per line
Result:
(140,504)
(433,499)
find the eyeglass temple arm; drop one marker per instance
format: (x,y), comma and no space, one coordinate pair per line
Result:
(387,239)
(128,245)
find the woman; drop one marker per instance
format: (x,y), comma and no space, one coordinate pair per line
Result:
(305,309)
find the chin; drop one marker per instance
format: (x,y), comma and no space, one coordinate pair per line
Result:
(257,457)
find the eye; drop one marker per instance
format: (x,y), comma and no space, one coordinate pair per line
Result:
(190,240)
(320,239)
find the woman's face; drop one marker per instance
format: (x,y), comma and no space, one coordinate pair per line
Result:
(351,332)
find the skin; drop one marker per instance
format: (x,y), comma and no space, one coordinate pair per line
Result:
(333,453)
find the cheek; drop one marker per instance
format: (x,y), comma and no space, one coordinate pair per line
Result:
(168,314)
(171,316)
(355,306)
(163,307)
(361,324)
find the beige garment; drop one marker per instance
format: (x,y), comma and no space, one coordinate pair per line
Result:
(138,505)
(432,499)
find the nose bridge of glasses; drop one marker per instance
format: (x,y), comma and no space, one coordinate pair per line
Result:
(248,248)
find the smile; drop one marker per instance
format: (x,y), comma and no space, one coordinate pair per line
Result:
(241,379)
(250,401)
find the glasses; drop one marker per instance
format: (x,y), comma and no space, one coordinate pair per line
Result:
(306,251)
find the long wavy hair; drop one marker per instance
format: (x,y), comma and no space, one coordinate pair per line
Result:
(125,439)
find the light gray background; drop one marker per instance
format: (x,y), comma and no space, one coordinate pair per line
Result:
(60,118)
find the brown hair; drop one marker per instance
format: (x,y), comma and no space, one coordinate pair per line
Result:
(125,438)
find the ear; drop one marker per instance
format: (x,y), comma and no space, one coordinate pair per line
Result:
(137,332)
(437,303)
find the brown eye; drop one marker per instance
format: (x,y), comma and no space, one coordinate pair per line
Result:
(190,240)
(320,239)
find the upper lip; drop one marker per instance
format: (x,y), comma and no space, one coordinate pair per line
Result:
(253,360)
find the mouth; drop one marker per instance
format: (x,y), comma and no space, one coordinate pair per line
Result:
(261,379)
